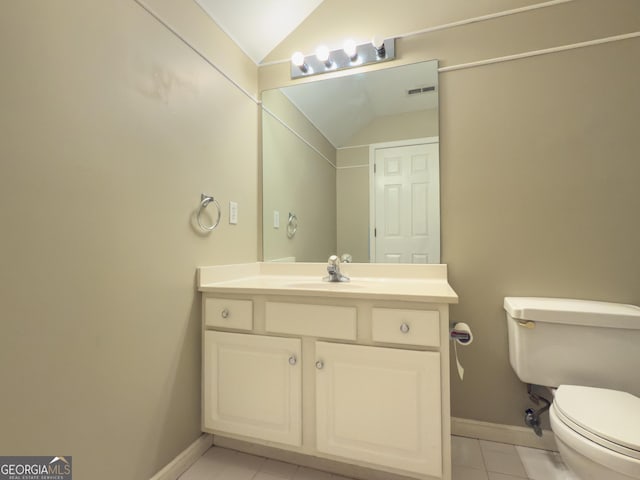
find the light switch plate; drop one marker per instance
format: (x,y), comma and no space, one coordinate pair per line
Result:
(233,213)
(276,219)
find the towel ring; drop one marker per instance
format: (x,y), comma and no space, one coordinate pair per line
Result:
(205,200)
(292,225)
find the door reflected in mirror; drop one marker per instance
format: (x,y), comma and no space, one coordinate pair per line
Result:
(351,165)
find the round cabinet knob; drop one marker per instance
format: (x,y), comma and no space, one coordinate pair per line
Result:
(293,360)
(319,364)
(225,313)
(404,328)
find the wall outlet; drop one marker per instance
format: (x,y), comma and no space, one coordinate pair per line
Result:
(233,213)
(276,219)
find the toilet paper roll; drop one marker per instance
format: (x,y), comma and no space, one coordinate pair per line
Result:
(460,328)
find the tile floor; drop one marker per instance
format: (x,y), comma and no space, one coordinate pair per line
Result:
(482,460)
(472,460)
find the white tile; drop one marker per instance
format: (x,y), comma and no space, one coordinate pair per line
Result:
(304,473)
(466,452)
(544,465)
(278,469)
(237,472)
(201,470)
(207,468)
(460,472)
(220,455)
(267,476)
(502,476)
(249,461)
(502,458)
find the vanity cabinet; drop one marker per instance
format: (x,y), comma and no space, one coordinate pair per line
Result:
(373,380)
(351,378)
(252,386)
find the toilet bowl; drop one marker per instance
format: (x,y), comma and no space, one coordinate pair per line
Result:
(590,352)
(597,432)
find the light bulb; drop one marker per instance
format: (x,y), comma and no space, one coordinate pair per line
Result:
(351,49)
(322,53)
(378,44)
(297,59)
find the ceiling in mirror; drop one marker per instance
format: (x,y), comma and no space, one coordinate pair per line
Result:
(342,106)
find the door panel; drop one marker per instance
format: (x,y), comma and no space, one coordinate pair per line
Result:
(252,386)
(380,405)
(407,204)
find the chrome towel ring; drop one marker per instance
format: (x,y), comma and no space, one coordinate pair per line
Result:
(205,200)
(292,225)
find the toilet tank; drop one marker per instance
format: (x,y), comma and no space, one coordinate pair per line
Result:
(554,341)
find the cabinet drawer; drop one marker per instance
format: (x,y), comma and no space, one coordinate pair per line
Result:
(407,327)
(322,321)
(221,312)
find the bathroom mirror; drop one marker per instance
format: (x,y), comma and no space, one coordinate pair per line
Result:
(319,142)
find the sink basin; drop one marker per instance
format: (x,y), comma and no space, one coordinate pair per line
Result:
(321,284)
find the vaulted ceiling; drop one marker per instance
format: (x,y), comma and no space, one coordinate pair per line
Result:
(257,26)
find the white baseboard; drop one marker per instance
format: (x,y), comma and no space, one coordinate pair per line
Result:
(185,459)
(496,432)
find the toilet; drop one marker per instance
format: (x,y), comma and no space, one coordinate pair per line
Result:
(588,354)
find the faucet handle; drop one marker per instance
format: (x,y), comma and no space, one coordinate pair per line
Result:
(333,268)
(334,260)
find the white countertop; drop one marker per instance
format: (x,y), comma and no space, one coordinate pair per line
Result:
(405,282)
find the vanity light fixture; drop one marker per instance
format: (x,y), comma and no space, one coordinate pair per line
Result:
(352,55)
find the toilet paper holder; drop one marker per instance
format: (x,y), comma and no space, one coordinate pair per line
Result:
(460,333)
(463,337)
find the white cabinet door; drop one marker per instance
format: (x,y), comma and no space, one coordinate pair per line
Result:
(253,386)
(380,405)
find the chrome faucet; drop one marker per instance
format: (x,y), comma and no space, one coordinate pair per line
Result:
(333,268)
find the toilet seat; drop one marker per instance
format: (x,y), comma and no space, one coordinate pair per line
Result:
(608,418)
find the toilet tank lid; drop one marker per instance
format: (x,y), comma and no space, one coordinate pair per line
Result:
(574,312)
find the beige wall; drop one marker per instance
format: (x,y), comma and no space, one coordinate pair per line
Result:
(352,190)
(539,168)
(298,177)
(562,24)
(404,126)
(539,197)
(111,128)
